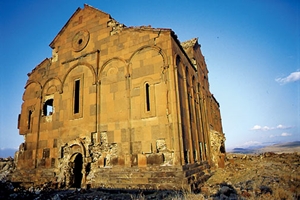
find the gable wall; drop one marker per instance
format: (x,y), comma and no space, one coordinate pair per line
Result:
(122,98)
(113,69)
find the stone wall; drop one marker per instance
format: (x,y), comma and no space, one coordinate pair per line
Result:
(114,101)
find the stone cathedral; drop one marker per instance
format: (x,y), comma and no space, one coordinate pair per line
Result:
(119,107)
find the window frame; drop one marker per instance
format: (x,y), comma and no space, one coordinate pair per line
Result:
(77,94)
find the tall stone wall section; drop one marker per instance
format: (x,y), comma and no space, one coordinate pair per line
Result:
(117,107)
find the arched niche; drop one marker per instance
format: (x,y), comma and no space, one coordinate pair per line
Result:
(113,70)
(147,60)
(32,90)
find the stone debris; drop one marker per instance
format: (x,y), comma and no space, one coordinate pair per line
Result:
(217,141)
(7,166)
(9,191)
(262,176)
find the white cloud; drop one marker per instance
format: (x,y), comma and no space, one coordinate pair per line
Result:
(256,127)
(285,134)
(280,126)
(261,128)
(267,128)
(283,127)
(293,77)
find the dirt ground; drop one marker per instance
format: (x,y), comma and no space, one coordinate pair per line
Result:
(261,176)
(264,176)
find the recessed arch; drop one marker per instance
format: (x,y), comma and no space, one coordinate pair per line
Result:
(112,60)
(111,70)
(81,64)
(32,82)
(57,84)
(79,143)
(156,48)
(147,61)
(35,93)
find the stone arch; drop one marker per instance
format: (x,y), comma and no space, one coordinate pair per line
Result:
(146,48)
(57,86)
(50,87)
(112,76)
(177,62)
(179,66)
(66,173)
(30,94)
(78,142)
(188,75)
(115,72)
(156,48)
(31,82)
(81,64)
(110,61)
(144,80)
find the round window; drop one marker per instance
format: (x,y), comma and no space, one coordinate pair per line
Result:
(80,40)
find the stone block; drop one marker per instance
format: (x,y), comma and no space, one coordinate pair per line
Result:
(142,160)
(155,159)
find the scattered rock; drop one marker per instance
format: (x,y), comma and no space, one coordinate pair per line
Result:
(263,176)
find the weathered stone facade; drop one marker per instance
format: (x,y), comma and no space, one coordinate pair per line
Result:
(118,107)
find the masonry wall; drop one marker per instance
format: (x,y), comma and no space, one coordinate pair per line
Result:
(114,100)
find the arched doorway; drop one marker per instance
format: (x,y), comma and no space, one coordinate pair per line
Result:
(77,170)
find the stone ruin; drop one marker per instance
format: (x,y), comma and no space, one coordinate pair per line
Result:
(119,107)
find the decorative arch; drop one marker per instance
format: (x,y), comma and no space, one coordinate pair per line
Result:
(57,86)
(81,64)
(32,82)
(103,72)
(112,60)
(179,66)
(37,93)
(80,143)
(156,48)
(147,47)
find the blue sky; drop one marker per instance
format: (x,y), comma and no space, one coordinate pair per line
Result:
(252,50)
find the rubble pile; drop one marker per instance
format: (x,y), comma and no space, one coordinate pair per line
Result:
(9,191)
(7,166)
(264,176)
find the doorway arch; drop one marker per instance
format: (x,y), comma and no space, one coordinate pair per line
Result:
(78,163)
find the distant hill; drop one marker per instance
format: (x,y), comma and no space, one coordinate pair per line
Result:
(248,150)
(289,144)
(7,152)
(288,147)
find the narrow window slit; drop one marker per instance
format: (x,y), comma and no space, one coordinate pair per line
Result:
(147,97)
(76,96)
(29,119)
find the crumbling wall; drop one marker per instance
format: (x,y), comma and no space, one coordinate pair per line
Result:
(217,143)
